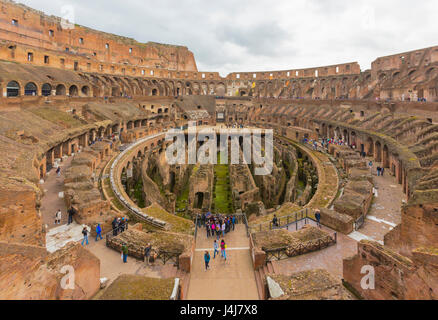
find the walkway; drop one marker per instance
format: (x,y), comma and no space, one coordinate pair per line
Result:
(53,198)
(385,212)
(330,258)
(233,279)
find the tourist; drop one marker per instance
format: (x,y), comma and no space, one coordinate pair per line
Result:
(114,225)
(233,221)
(208,228)
(318,218)
(85,234)
(223,229)
(122,225)
(275,221)
(98,232)
(147,253)
(58,171)
(370,164)
(58,216)
(207,260)
(382,170)
(215,248)
(71,212)
(213,228)
(125,253)
(223,248)
(378,171)
(218,230)
(203,219)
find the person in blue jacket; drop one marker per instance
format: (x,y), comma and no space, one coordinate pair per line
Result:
(207,260)
(98,232)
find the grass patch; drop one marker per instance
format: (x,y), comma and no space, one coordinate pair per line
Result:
(134,287)
(222,189)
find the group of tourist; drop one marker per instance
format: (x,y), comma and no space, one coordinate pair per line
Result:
(119,225)
(216,225)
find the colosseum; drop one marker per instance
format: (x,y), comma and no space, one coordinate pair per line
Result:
(91,208)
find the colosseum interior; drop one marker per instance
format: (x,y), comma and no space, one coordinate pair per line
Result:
(98,106)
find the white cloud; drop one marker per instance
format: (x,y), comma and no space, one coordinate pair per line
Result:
(255,35)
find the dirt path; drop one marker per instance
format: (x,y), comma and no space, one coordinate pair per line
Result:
(233,279)
(51,202)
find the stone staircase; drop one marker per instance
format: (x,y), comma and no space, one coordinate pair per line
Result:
(260,275)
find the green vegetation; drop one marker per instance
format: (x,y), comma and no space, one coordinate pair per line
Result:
(223,202)
(134,287)
(177,224)
(138,193)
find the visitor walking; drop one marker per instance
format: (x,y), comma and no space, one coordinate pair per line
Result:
(382,170)
(223,229)
(71,212)
(233,221)
(275,221)
(215,248)
(223,248)
(378,171)
(125,253)
(98,232)
(207,260)
(58,216)
(318,218)
(58,171)
(147,253)
(207,226)
(85,234)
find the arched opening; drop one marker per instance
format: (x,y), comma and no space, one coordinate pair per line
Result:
(385,157)
(73,91)
(13,89)
(154,92)
(60,90)
(85,91)
(370,147)
(46,90)
(199,199)
(378,153)
(30,89)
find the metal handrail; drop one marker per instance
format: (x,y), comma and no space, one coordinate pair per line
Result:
(288,219)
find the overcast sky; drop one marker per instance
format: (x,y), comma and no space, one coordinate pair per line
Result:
(259,35)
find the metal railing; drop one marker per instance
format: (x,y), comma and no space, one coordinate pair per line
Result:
(284,222)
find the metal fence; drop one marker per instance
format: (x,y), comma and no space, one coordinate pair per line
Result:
(284,222)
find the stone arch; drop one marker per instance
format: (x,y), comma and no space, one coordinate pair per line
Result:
(73,91)
(46,89)
(220,89)
(30,89)
(370,147)
(378,153)
(85,90)
(353,138)
(13,89)
(60,90)
(385,159)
